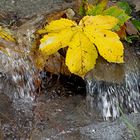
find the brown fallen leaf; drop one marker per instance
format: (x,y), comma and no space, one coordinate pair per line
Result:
(122,32)
(56,64)
(130,28)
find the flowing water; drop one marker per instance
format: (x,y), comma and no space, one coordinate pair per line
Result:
(115,88)
(17,71)
(16,76)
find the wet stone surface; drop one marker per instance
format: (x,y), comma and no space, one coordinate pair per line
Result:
(63,118)
(28,8)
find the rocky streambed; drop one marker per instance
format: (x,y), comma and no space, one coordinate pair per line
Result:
(61,112)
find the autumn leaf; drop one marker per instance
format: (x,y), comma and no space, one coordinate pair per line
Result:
(99,22)
(6,34)
(7,40)
(96,10)
(121,11)
(52,42)
(58,25)
(125,6)
(117,13)
(92,35)
(81,55)
(56,64)
(122,32)
(108,45)
(136,23)
(107,42)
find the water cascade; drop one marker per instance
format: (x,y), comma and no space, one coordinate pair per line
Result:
(17,72)
(113,87)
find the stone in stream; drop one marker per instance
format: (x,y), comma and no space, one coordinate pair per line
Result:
(115,87)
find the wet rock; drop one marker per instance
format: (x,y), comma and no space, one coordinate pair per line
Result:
(116,130)
(61,118)
(28,8)
(70,120)
(5,108)
(115,73)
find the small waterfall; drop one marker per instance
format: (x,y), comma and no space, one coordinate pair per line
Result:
(113,87)
(17,71)
(17,76)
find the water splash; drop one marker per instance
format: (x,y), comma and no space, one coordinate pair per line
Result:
(115,87)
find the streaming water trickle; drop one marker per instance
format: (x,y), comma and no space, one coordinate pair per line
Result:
(17,72)
(16,79)
(115,87)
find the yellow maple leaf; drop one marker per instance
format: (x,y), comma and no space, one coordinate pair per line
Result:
(82,38)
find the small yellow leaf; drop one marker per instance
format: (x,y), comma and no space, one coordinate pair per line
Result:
(107,43)
(61,24)
(99,21)
(81,55)
(6,34)
(52,42)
